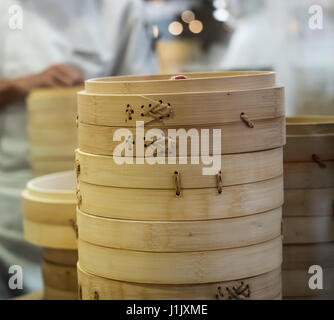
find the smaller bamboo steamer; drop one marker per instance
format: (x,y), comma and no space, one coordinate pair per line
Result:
(184,109)
(192,204)
(263,287)
(49,211)
(60,274)
(236,137)
(308,202)
(235,169)
(298,230)
(188,267)
(193,82)
(180,236)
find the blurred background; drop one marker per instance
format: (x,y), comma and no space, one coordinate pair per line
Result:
(214,35)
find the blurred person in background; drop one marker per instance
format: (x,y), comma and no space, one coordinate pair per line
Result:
(60,44)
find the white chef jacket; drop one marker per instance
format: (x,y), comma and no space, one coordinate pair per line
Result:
(101,38)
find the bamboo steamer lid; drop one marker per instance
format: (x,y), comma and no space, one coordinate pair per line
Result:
(262,287)
(180,109)
(180,236)
(236,137)
(308,202)
(188,267)
(194,82)
(296,283)
(302,256)
(60,281)
(49,211)
(235,169)
(308,229)
(192,204)
(309,137)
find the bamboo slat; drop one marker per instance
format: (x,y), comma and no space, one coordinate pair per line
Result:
(192,204)
(187,109)
(235,138)
(263,287)
(308,175)
(308,229)
(235,169)
(63,257)
(181,236)
(49,211)
(311,125)
(195,82)
(308,202)
(181,268)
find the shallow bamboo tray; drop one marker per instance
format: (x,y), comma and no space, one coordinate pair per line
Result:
(180,268)
(308,136)
(195,82)
(235,138)
(181,236)
(308,175)
(235,169)
(295,283)
(185,109)
(263,287)
(308,202)
(308,229)
(192,204)
(49,211)
(302,256)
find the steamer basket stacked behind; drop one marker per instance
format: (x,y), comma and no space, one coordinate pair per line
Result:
(166,231)
(308,209)
(50,222)
(52,129)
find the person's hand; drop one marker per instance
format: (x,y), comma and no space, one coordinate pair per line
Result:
(61,75)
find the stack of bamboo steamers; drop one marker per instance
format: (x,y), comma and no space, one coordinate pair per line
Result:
(167,231)
(308,208)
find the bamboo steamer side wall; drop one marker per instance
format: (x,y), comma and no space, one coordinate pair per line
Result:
(52,129)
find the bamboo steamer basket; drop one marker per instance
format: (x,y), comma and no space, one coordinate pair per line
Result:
(266,134)
(194,82)
(235,169)
(180,109)
(180,236)
(188,267)
(263,287)
(60,274)
(192,204)
(52,129)
(49,211)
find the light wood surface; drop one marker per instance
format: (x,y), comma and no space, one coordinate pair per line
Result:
(31,296)
(188,109)
(302,256)
(58,256)
(193,204)
(195,82)
(41,167)
(236,137)
(235,169)
(49,211)
(295,283)
(308,175)
(310,125)
(308,202)
(308,229)
(181,268)
(263,287)
(181,236)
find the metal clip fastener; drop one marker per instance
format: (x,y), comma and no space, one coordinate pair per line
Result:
(77,169)
(177,183)
(246,120)
(316,159)
(79,199)
(219,182)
